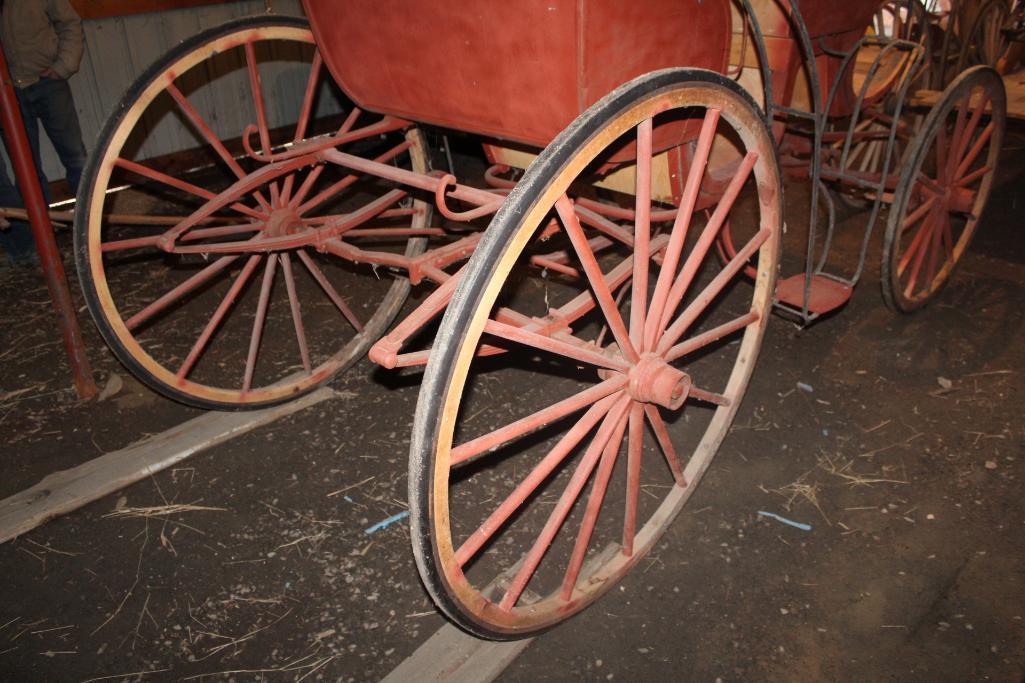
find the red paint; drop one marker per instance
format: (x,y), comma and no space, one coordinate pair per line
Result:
(42,231)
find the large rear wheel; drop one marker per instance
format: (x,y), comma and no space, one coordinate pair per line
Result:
(621,370)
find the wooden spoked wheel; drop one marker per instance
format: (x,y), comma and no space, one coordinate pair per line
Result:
(621,373)
(984,42)
(943,189)
(905,20)
(225,293)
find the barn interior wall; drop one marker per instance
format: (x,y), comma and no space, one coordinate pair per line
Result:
(119,49)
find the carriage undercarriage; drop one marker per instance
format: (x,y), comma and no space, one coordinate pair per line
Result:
(630,267)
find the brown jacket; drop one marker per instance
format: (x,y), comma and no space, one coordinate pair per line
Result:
(38,35)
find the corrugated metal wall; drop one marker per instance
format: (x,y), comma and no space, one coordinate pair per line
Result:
(119,49)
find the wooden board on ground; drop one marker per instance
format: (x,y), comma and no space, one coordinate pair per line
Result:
(454,656)
(68,490)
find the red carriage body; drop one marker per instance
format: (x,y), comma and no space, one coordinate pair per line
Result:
(523,71)
(519,71)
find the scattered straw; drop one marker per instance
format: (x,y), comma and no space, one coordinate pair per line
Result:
(845,470)
(161,510)
(127,675)
(802,489)
(350,487)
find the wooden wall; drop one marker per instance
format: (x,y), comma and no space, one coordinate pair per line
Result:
(120,48)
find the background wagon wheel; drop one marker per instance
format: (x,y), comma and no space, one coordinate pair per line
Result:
(942,192)
(906,20)
(630,394)
(946,33)
(984,41)
(224,318)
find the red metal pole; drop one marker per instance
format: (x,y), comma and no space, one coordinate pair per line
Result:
(42,230)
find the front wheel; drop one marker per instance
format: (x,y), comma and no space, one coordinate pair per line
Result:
(622,371)
(943,189)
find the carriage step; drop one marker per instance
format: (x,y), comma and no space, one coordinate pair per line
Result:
(826,293)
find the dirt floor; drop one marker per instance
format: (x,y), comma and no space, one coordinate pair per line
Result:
(897,438)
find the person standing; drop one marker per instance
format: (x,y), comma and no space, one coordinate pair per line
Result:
(43,43)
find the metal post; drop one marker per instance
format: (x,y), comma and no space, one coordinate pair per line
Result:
(42,230)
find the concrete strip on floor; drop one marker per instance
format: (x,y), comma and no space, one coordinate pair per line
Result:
(68,490)
(453,656)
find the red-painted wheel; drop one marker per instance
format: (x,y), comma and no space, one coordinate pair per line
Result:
(943,189)
(622,373)
(229,296)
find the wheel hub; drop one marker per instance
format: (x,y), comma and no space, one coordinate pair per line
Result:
(960,199)
(652,380)
(283,221)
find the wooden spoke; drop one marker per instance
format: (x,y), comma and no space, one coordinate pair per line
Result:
(569,496)
(204,129)
(329,289)
(711,336)
(681,225)
(256,88)
(966,137)
(514,430)
(708,236)
(580,351)
(183,289)
(261,317)
(975,175)
(304,189)
(665,443)
(183,185)
(705,297)
(642,234)
(594,501)
(974,152)
(308,95)
(595,277)
(635,449)
(598,411)
(708,396)
(928,209)
(948,164)
(215,320)
(297,319)
(930,233)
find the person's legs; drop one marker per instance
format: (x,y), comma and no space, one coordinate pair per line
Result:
(53,105)
(16,239)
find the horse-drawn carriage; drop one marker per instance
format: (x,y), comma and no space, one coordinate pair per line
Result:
(603,292)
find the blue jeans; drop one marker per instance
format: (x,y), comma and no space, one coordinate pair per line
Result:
(49,102)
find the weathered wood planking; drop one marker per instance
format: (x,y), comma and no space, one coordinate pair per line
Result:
(1014,84)
(452,656)
(68,490)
